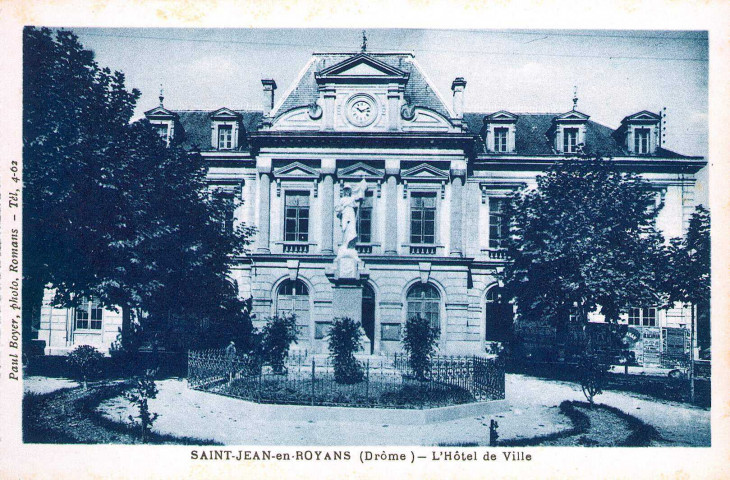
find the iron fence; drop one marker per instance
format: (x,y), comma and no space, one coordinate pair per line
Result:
(386,381)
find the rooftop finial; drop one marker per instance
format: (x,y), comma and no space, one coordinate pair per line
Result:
(364,46)
(162,96)
(575,98)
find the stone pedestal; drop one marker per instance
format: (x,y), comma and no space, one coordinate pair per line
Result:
(347,276)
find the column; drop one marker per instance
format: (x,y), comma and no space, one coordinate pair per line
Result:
(391,214)
(264,225)
(327,200)
(457,186)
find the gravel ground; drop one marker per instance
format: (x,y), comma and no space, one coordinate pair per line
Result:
(43,385)
(533,411)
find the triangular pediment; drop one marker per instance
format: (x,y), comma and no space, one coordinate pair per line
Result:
(501,116)
(643,115)
(224,114)
(159,113)
(572,115)
(360,170)
(296,170)
(425,171)
(361,65)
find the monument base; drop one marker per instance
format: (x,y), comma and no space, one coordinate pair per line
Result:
(347,276)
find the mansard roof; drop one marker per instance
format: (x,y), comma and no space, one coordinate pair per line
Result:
(195,127)
(531,136)
(419,91)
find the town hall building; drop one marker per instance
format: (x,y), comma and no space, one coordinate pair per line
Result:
(430,225)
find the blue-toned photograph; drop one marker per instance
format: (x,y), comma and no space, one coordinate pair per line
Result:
(385,237)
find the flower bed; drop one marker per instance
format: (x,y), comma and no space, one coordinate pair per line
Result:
(386,383)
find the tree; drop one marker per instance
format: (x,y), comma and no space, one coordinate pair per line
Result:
(688,259)
(110,210)
(419,341)
(584,238)
(343,341)
(143,389)
(277,336)
(84,361)
(687,278)
(72,111)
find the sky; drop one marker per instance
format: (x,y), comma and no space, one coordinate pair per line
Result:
(616,73)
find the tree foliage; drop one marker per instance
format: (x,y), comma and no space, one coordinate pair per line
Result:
(419,342)
(343,341)
(276,337)
(688,260)
(110,210)
(84,361)
(584,238)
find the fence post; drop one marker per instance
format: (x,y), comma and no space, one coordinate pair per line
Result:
(367,382)
(312,382)
(261,373)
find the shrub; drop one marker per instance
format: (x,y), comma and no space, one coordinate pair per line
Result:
(277,336)
(419,341)
(84,362)
(592,371)
(344,340)
(143,390)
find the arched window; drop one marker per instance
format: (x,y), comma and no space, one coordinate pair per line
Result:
(293,297)
(424,300)
(498,316)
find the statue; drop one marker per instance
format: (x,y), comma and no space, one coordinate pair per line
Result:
(347,213)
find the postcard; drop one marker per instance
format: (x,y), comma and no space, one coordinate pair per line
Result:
(286,241)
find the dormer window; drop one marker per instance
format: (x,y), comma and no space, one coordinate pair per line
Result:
(500,139)
(162,130)
(570,140)
(225,137)
(225,127)
(499,131)
(568,132)
(163,121)
(639,133)
(641,140)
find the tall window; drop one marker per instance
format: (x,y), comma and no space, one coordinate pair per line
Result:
(365,219)
(423,217)
(162,129)
(570,140)
(296,224)
(225,137)
(500,139)
(293,298)
(498,228)
(644,316)
(89,315)
(641,140)
(424,300)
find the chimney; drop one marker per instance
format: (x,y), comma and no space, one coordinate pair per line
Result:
(458,86)
(269,87)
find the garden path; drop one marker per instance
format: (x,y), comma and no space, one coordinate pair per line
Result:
(534,411)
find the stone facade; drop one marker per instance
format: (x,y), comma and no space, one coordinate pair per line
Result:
(429,231)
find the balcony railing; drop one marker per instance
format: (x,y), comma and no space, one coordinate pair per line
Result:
(495,253)
(423,249)
(364,249)
(296,248)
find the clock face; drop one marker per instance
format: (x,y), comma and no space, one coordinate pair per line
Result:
(361,112)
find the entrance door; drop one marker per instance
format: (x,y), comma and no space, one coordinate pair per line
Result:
(498,317)
(368,314)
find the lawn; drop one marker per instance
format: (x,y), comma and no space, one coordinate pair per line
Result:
(324,390)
